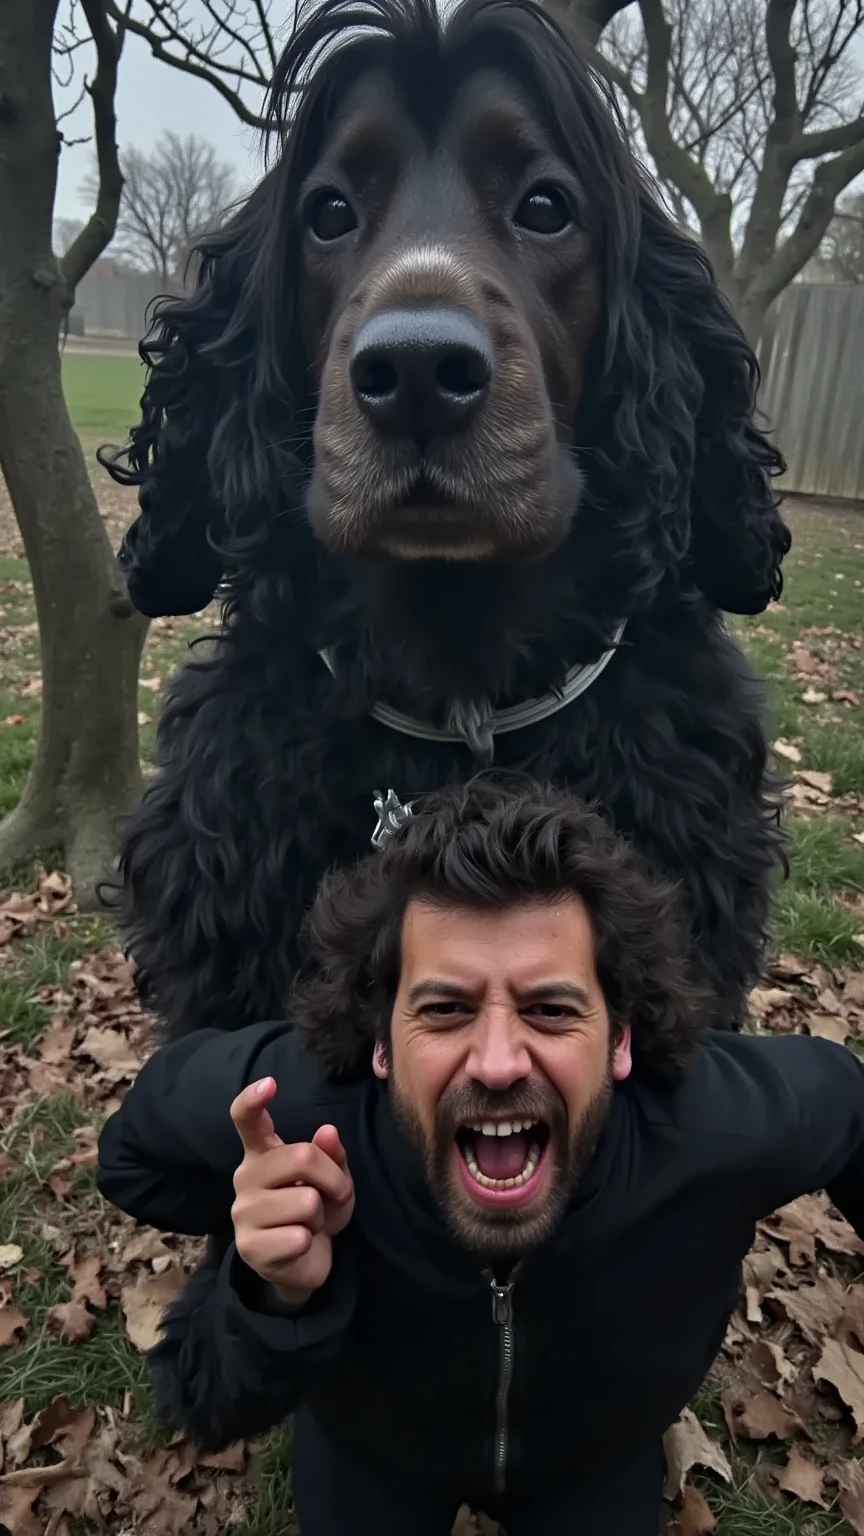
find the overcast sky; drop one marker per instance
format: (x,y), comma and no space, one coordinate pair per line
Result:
(152,98)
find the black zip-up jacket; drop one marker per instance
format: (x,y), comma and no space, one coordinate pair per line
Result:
(410,1355)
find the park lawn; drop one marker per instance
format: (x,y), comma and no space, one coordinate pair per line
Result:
(70,1040)
(102,394)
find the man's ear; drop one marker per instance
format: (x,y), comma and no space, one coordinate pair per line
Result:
(622,1059)
(380,1061)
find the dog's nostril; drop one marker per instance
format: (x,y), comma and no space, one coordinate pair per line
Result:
(463,373)
(376,378)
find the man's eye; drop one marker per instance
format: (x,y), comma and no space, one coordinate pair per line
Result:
(443,1011)
(551,1013)
(331,216)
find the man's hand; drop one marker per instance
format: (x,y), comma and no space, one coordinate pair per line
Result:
(290,1199)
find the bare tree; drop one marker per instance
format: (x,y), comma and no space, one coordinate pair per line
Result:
(233,45)
(752,112)
(169,198)
(86,768)
(841,254)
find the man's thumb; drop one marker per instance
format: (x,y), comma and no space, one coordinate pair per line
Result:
(327,1138)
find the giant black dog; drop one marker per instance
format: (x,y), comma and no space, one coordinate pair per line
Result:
(455,418)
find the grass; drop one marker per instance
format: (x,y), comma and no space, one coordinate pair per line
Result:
(102,394)
(819,914)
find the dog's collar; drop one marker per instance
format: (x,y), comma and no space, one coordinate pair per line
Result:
(477,727)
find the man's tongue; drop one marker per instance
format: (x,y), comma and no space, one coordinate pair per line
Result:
(501,1157)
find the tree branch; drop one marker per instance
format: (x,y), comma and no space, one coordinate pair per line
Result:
(99,229)
(210,75)
(829,180)
(674,164)
(781,56)
(828,141)
(593,16)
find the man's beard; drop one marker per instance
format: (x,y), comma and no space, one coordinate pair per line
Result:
(570,1149)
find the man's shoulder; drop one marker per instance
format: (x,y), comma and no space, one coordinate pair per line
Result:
(752,1088)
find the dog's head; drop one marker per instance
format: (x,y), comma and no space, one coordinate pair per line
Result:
(452,323)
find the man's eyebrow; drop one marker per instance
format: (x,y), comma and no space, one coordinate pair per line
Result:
(438,986)
(558,990)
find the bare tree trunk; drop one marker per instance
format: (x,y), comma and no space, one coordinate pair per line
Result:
(86,768)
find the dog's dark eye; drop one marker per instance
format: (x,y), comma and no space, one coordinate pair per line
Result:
(544,211)
(331,216)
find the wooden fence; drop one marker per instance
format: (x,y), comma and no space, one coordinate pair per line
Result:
(812,356)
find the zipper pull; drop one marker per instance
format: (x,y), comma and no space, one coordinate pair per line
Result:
(502,1297)
(502,1304)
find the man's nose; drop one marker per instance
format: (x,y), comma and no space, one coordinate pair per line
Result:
(499,1055)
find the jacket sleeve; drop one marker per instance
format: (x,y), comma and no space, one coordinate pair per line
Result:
(223,1371)
(825,1147)
(168,1155)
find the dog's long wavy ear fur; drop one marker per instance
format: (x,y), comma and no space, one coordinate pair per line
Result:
(212,454)
(737,536)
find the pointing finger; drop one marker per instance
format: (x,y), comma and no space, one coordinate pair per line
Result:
(252,1118)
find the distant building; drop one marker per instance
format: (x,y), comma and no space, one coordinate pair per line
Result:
(112,300)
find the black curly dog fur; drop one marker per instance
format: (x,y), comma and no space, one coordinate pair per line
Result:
(467,544)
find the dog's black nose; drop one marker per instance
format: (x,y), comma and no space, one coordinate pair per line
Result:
(421,371)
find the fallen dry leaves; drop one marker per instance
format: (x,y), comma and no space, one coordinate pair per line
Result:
(88,1465)
(796,997)
(21,914)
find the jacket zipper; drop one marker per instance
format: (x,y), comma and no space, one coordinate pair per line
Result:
(502,1315)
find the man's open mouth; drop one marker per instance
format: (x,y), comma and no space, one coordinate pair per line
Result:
(502,1159)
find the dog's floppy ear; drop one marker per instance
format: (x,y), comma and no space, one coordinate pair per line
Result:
(737,536)
(207,464)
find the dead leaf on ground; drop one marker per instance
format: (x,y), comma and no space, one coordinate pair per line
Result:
(22,913)
(815,1309)
(12,1325)
(111,1051)
(829,1026)
(10,1255)
(85,1275)
(67,1428)
(687,1444)
(850,1477)
(16,1511)
(803,1478)
(144,1247)
(775,1368)
(72,1321)
(806,1221)
(851,1324)
(760,1417)
(843,1367)
(694,1517)
(144,1303)
(853,987)
(788,750)
(821,781)
(761,1269)
(763,1000)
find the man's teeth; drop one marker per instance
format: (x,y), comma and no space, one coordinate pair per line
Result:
(528,1171)
(501,1127)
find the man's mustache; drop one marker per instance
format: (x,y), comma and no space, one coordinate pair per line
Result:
(528,1100)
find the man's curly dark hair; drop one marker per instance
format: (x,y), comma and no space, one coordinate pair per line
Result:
(493,845)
